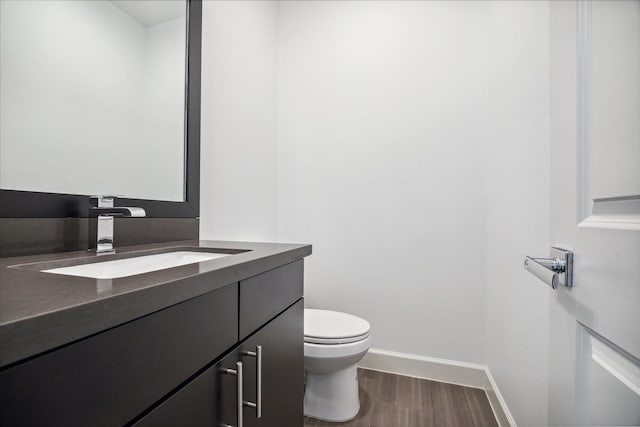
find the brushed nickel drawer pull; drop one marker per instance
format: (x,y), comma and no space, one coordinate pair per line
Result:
(258,405)
(240,395)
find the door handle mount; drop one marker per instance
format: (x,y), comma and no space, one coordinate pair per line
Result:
(557,269)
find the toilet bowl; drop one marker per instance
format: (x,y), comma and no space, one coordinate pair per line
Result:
(333,343)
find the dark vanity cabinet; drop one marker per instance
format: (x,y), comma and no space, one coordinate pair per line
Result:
(178,366)
(211,399)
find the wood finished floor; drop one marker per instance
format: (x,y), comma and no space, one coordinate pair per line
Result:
(388,400)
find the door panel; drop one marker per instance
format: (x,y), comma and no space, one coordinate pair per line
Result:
(595,141)
(612,96)
(611,380)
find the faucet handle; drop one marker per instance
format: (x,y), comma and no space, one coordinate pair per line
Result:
(105,205)
(104,201)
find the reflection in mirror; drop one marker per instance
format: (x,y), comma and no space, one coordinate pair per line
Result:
(92,97)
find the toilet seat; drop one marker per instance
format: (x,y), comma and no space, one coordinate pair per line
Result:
(333,341)
(333,327)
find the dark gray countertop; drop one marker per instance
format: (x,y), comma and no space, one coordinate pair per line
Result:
(41,311)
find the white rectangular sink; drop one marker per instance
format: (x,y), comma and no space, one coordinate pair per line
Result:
(137,265)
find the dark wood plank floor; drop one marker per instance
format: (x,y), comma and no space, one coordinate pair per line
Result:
(388,400)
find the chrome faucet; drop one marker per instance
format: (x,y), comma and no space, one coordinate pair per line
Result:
(101,223)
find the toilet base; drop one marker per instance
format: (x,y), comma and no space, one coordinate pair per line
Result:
(333,396)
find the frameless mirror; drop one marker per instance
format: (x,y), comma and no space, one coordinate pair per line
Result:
(92,97)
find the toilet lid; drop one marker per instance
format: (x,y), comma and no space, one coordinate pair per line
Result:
(333,327)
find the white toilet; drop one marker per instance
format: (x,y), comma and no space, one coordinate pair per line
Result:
(333,343)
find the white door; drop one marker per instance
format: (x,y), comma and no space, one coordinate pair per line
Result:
(594,347)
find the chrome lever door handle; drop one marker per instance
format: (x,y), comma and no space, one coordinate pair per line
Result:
(554,270)
(556,264)
(543,268)
(258,405)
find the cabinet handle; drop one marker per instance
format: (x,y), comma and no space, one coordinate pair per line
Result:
(238,373)
(258,405)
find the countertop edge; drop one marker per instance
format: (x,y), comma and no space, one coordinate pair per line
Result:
(29,337)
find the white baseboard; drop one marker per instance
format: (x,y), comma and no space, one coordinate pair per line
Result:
(498,404)
(431,368)
(442,370)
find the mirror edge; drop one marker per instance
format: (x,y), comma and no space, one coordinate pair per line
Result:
(29,204)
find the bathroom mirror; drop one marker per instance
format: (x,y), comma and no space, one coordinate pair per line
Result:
(99,97)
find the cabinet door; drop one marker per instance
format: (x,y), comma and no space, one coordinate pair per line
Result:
(208,400)
(282,370)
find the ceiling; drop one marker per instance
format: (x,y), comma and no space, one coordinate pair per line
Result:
(152,12)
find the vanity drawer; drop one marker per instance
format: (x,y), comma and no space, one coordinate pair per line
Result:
(264,296)
(111,377)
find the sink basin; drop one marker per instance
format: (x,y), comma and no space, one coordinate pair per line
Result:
(136,265)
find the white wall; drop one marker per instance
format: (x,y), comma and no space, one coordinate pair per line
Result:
(517,203)
(410,147)
(239,161)
(381,122)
